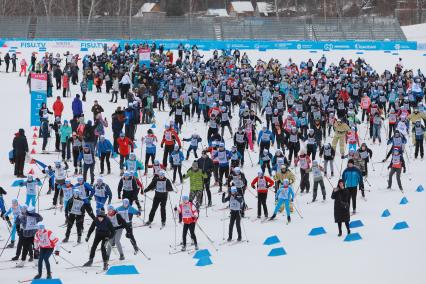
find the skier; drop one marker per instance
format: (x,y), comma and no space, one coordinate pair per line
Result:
(26,226)
(328,153)
(397,163)
(170,137)
(305,164)
(104,152)
(15,210)
(194,141)
(126,211)
(352,178)
(150,141)
(263,183)
(74,212)
(223,156)
(236,203)
(119,224)
(104,232)
(196,179)
(88,158)
(133,165)
(206,165)
(284,195)
(45,243)
(162,186)
(31,185)
(318,180)
(102,193)
(340,131)
(176,157)
(128,186)
(188,214)
(419,135)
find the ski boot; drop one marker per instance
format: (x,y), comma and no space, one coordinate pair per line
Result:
(11,245)
(183,248)
(288,219)
(273,216)
(196,246)
(105,268)
(15,258)
(65,240)
(121,257)
(89,263)
(79,239)
(239,239)
(49,275)
(38,276)
(31,259)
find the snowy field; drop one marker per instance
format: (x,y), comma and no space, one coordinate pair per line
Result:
(382,256)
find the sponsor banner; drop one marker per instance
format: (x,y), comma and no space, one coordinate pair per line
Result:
(76,46)
(38,96)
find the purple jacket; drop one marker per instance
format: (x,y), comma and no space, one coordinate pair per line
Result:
(77,107)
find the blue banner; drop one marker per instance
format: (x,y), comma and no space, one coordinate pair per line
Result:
(38,96)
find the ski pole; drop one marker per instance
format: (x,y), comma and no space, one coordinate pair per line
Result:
(73,265)
(174,219)
(68,251)
(38,194)
(139,249)
(297,210)
(244,227)
(223,225)
(5,245)
(56,261)
(207,237)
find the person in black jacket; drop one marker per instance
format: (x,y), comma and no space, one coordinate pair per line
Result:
(76,207)
(162,186)
(206,165)
(341,206)
(7,61)
(104,232)
(20,149)
(118,119)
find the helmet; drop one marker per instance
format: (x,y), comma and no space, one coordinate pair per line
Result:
(126,202)
(110,207)
(315,163)
(162,173)
(76,192)
(100,180)
(185,198)
(221,144)
(156,162)
(67,181)
(311,131)
(285,182)
(132,156)
(265,151)
(30,178)
(40,226)
(237,170)
(80,179)
(176,147)
(233,189)
(126,174)
(259,173)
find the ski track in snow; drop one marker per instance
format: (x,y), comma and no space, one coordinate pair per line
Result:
(383,256)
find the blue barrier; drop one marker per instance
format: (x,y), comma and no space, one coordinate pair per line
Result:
(86,45)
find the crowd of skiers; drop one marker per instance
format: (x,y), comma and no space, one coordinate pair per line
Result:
(286,110)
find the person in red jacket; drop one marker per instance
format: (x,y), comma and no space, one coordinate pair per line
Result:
(58,107)
(263,184)
(44,243)
(170,137)
(188,214)
(125,145)
(66,86)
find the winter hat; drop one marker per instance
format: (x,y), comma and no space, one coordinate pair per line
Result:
(351,161)
(101,213)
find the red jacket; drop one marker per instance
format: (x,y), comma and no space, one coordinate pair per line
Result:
(188,212)
(124,145)
(45,239)
(58,108)
(262,183)
(169,137)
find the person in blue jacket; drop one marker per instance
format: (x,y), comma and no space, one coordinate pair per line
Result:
(86,191)
(222,156)
(77,106)
(15,210)
(284,195)
(127,212)
(104,152)
(102,193)
(175,159)
(133,165)
(352,178)
(265,139)
(194,140)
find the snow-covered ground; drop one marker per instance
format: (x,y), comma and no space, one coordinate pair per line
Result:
(382,256)
(415,32)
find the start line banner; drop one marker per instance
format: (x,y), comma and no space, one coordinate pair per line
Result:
(76,46)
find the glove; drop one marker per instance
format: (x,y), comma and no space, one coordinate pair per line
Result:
(37,179)
(86,239)
(223,195)
(175,208)
(57,252)
(128,235)
(252,186)
(404,170)
(384,160)
(161,146)
(119,196)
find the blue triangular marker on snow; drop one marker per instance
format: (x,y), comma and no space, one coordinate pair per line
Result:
(356,224)
(386,213)
(271,240)
(16,182)
(317,231)
(46,281)
(400,226)
(153,125)
(420,188)
(122,270)
(202,253)
(403,201)
(353,237)
(204,261)
(277,252)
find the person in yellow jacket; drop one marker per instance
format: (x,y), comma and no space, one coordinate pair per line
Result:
(413,117)
(283,174)
(340,130)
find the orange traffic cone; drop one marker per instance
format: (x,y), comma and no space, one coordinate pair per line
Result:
(31,172)
(35,135)
(34,142)
(33,151)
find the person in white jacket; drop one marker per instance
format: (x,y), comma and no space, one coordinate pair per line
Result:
(125,85)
